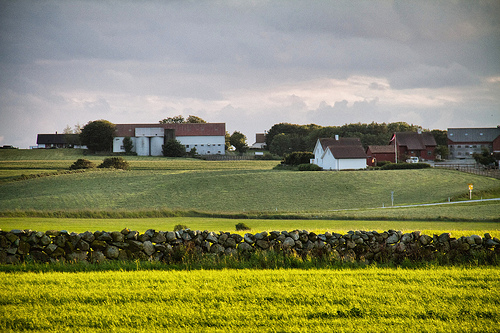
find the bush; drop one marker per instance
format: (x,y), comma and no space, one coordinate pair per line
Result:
(114,162)
(242,226)
(382,163)
(401,166)
(180,227)
(173,148)
(82,164)
(298,157)
(309,167)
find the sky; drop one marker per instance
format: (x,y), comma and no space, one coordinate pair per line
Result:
(249,64)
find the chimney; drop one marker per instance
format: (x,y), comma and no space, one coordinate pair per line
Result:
(336,137)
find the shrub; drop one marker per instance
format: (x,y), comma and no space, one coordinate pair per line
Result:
(173,148)
(298,157)
(309,167)
(193,153)
(400,166)
(180,227)
(242,226)
(114,162)
(382,163)
(82,164)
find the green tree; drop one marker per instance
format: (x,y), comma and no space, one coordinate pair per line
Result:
(180,120)
(228,140)
(287,143)
(173,148)
(98,135)
(440,136)
(127,145)
(444,151)
(239,141)
(195,120)
(485,158)
(173,120)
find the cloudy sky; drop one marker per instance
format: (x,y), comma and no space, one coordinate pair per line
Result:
(250,64)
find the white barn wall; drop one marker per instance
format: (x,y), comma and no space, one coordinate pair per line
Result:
(205,145)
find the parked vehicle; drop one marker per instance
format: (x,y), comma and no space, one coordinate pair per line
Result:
(412,159)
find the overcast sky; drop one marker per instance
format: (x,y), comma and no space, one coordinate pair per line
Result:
(250,64)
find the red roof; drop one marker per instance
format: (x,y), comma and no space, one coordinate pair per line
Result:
(381,149)
(346,152)
(415,141)
(326,142)
(207,129)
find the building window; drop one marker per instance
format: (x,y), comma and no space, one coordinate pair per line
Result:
(459,146)
(208,152)
(429,153)
(459,153)
(187,146)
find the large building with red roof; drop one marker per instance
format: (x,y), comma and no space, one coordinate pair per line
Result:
(148,139)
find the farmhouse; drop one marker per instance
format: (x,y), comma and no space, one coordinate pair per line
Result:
(58,141)
(148,139)
(339,154)
(464,142)
(419,144)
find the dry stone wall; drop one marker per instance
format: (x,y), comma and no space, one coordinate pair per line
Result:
(18,246)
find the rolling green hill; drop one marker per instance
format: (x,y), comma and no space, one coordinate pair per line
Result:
(230,186)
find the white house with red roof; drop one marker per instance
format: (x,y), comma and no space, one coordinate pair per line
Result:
(339,154)
(148,139)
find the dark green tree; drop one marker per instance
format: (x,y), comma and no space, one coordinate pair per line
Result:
(173,120)
(195,120)
(485,157)
(173,148)
(444,151)
(127,145)
(440,136)
(239,141)
(228,140)
(98,135)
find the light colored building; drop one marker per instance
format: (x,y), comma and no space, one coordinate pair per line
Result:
(339,154)
(148,139)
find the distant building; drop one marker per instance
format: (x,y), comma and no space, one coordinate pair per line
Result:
(419,144)
(58,141)
(464,142)
(380,153)
(148,139)
(260,141)
(339,154)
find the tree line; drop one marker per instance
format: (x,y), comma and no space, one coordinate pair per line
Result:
(284,138)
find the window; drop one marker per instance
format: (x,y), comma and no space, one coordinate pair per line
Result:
(187,146)
(429,153)
(208,152)
(459,146)
(459,153)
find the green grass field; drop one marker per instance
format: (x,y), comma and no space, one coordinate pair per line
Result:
(457,229)
(368,300)
(232,186)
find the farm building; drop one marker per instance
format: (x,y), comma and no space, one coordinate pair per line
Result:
(419,144)
(148,139)
(464,142)
(58,141)
(339,154)
(380,153)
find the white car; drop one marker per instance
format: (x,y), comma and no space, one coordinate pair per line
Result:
(412,159)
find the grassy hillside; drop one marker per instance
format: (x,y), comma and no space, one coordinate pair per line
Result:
(156,183)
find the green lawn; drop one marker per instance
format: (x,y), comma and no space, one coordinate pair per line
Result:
(369,300)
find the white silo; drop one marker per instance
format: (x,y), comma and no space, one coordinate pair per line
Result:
(156,146)
(142,147)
